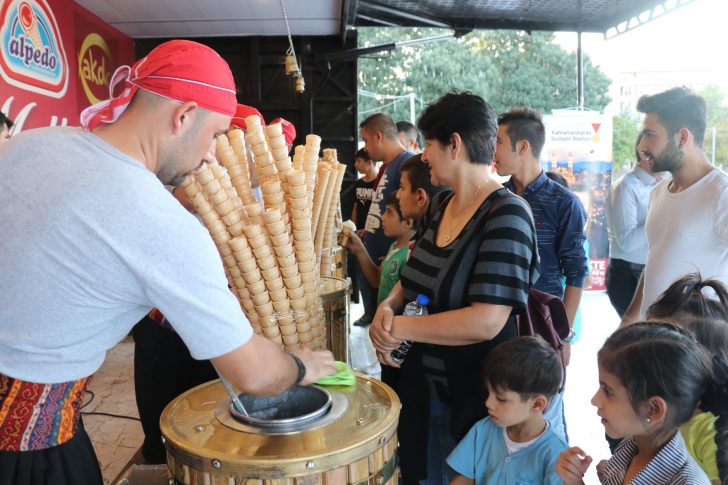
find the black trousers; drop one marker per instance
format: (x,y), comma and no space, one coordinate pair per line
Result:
(351,268)
(621,285)
(72,463)
(163,369)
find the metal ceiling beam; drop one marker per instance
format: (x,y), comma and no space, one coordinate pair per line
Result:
(403,14)
(642,16)
(489,24)
(377,22)
(630,15)
(362,51)
(345,6)
(348,17)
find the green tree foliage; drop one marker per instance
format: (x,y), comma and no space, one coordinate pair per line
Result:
(508,68)
(717,108)
(625,135)
(540,74)
(715,98)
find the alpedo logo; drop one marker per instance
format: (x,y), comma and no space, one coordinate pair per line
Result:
(31,50)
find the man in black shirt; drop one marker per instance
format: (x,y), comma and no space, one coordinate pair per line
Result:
(364,188)
(364,192)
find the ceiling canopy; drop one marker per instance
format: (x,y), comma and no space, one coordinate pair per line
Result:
(610,17)
(229,18)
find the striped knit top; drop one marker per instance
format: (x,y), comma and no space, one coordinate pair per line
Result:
(672,466)
(493,260)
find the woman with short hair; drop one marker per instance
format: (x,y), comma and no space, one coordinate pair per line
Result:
(476,259)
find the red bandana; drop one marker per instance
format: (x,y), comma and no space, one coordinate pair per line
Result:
(288,129)
(243,112)
(180,70)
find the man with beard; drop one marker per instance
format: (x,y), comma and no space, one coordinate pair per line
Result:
(687,218)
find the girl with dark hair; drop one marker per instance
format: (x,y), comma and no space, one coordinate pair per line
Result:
(652,378)
(475,259)
(684,303)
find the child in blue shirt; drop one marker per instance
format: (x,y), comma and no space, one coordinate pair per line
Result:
(514,444)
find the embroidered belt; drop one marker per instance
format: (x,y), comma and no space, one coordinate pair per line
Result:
(38,416)
(159,318)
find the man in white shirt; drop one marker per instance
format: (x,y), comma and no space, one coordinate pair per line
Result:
(687,219)
(626,213)
(92,241)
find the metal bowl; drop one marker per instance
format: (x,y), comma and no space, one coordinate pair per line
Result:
(298,405)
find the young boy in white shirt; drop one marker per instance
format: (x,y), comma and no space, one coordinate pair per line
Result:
(514,444)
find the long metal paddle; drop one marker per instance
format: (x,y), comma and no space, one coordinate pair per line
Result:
(231,391)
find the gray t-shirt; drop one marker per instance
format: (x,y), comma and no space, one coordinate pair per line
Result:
(90,241)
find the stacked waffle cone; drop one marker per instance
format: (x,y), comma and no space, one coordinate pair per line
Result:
(264,161)
(298,157)
(306,258)
(329,232)
(310,166)
(325,204)
(279,152)
(233,154)
(269,255)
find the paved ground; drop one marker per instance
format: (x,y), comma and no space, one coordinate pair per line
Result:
(585,430)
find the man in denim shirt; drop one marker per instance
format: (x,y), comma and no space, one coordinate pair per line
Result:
(558,213)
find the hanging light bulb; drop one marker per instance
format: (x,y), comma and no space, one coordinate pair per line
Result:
(292,67)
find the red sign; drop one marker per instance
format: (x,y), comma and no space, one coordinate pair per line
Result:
(56,58)
(598,274)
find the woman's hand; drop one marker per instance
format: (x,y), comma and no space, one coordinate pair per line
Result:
(380,329)
(572,466)
(386,359)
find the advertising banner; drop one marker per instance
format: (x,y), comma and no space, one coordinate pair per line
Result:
(56,58)
(579,146)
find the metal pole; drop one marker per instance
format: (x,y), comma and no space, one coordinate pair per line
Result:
(712,151)
(412,111)
(580,74)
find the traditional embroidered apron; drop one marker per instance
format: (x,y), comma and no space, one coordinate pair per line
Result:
(37,416)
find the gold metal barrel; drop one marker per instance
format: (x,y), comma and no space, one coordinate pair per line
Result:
(335,298)
(358,447)
(338,262)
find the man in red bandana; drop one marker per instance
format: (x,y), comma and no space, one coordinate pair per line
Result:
(289,131)
(92,241)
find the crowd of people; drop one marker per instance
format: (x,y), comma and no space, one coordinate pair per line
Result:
(481,404)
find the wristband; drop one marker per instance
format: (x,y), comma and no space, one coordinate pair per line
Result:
(301,369)
(569,338)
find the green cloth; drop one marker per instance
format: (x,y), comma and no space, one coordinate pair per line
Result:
(345,377)
(391,269)
(699,436)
